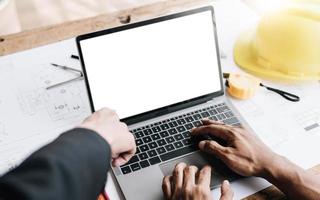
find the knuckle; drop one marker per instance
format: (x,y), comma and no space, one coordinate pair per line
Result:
(187,191)
(209,145)
(200,190)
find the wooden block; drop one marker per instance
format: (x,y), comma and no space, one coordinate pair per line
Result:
(46,35)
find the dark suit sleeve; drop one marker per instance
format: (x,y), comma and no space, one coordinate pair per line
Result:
(72,167)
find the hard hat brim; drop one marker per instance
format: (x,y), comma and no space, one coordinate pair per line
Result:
(246,58)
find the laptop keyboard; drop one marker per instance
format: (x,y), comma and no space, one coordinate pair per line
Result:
(171,138)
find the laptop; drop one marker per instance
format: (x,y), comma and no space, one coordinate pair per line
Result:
(162,76)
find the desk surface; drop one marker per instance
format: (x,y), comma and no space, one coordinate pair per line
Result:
(41,36)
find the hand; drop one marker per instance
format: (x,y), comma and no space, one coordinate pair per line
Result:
(107,124)
(245,153)
(188,183)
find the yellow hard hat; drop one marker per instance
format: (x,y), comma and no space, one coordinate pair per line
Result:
(284,46)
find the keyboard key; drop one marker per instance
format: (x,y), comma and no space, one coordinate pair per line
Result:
(197,117)
(157,123)
(139,134)
(232,120)
(155,136)
(135,167)
(156,129)
(164,126)
(164,134)
(161,142)
(169,139)
(152,145)
(143,156)
(189,119)
(181,129)
(173,124)
(197,123)
(147,131)
(137,150)
(178,137)
(144,164)
(133,159)
(189,126)
(205,114)
(161,150)
(146,139)
(144,148)
(154,160)
(213,118)
(181,121)
(187,142)
(213,112)
(152,153)
(229,114)
(186,134)
(169,147)
(139,142)
(173,131)
(221,116)
(178,145)
(125,170)
(223,109)
(179,152)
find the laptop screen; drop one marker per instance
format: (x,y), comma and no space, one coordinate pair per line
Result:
(152,66)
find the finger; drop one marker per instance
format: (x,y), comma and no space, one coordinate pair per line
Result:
(226,191)
(212,147)
(117,162)
(122,158)
(207,121)
(178,179)
(204,177)
(189,176)
(218,131)
(166,187)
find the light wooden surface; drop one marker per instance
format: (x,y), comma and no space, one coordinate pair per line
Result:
(46,35)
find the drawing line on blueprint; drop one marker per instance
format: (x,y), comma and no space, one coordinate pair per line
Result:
(309,120)
(60,103)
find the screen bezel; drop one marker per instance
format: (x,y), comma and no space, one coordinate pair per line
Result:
(169,108)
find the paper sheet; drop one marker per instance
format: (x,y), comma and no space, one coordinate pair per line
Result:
(30,115)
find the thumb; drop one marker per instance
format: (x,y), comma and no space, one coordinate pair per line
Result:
(226,191)
(212,147)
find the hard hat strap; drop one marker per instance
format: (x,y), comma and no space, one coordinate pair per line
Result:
(286,95)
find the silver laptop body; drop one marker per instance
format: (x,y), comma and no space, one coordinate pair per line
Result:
(162,76)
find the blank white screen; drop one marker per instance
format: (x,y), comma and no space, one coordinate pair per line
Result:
(152,66)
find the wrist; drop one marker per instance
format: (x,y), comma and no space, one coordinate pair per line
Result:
(278,167)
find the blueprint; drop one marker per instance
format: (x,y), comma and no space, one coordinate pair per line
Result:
(31,115)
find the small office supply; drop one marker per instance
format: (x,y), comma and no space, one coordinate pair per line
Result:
(77,78)
(171,87)
(243,86)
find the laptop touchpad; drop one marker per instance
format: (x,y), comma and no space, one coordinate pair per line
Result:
(219,172)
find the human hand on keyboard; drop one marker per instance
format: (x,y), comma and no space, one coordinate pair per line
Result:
(107,124)
(243,152)
(190,183)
